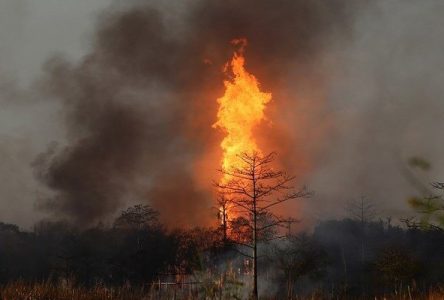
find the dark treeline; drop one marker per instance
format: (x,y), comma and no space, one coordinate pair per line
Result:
(375,256)
(345,257)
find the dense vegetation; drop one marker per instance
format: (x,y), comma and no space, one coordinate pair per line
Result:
(340,258)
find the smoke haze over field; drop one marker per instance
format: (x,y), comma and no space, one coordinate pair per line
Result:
(123,113)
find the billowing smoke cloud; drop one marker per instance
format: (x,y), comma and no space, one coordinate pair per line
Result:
(140,105)
(356,91)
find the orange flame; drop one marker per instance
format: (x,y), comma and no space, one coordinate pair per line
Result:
(240,109)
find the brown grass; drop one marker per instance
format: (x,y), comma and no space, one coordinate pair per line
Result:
(49,291)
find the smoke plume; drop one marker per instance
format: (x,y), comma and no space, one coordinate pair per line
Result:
(124,114)
(139,107)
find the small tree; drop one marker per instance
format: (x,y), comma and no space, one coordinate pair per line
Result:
(222,203)
(364,212)
(395,266)
(137,217)
(299,256)
(431,209)
(254,189)
(430,203)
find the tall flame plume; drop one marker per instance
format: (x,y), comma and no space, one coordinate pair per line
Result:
(241,109)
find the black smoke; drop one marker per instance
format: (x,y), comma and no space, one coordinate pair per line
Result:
(139,107)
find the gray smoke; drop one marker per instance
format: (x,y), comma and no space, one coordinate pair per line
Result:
(356,89)
(134,103)
(386,98)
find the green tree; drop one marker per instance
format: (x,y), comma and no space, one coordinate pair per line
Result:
(430,203)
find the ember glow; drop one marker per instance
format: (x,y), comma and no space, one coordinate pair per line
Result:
(241,108)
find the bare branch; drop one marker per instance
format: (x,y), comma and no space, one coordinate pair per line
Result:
(242,244)
(300,194)
(242,253)
(254,188)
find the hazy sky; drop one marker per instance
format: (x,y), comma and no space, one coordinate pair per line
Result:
(30,32)
(384,95)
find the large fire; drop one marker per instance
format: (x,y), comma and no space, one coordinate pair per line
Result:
(241,108)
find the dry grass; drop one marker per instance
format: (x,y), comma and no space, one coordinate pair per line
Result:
(49,291)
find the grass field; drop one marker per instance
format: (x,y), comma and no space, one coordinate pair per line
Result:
(49,291)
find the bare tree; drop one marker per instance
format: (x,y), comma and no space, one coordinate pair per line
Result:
(222,203)
(254,189)
(362,210)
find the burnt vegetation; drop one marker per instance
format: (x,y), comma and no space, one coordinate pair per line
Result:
(251,253)
(136,256)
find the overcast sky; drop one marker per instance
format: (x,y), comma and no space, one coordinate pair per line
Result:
(30,32)
(386,99)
